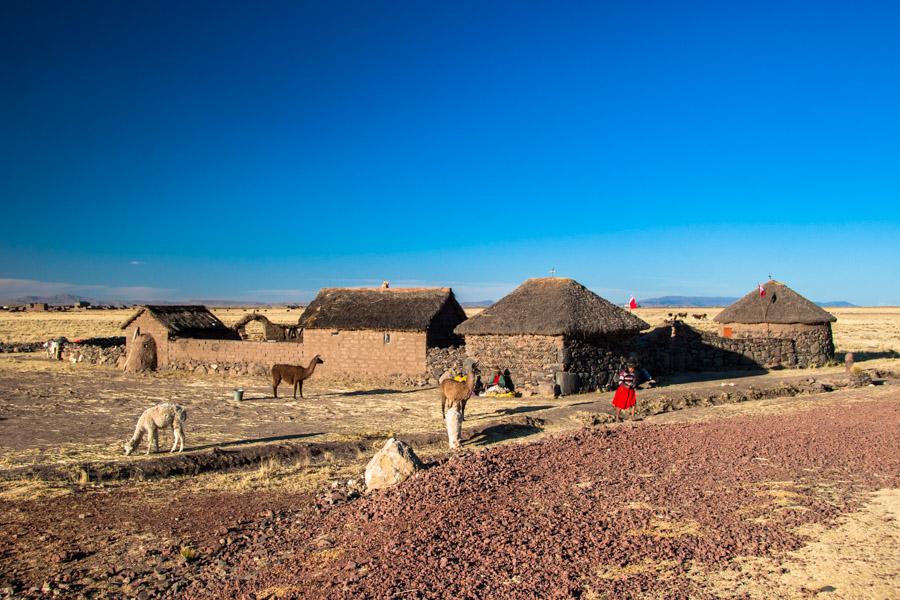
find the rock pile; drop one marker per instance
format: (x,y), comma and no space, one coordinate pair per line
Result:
(21,347)
(94,354)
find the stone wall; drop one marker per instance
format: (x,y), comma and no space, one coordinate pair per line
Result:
(677,347)
(531,359)
(95,354)
(439,360)
(597,362)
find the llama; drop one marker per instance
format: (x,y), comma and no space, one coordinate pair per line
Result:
(293,375)
(152,420)
(454,396)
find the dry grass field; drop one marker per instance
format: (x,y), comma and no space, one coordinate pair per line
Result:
(860,329)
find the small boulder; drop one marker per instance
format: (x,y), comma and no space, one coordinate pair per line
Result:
(546,388)
(391,465)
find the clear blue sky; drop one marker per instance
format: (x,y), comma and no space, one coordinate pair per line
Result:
(260,151)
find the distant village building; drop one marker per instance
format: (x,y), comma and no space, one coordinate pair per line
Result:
(81,305)
(37,307)
(553,331)
(380,332)
(777,311)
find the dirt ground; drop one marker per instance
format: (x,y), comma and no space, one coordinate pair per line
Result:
(813,520)
(58,413)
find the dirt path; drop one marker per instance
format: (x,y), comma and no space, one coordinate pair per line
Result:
(639,510)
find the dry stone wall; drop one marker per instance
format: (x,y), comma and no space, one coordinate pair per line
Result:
(597,362)
(532,360)
(440,360)
(677,347)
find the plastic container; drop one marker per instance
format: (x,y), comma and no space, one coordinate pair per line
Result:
(239,394)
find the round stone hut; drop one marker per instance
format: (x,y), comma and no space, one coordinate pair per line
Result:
(777,311)
(553,332)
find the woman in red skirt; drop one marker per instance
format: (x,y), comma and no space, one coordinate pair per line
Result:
(625,397)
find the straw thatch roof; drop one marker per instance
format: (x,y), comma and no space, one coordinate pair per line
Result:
(552,306)
(781,304)
(191,321)
(395,309)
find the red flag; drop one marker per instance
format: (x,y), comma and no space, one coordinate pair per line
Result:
(632,303)
(762,290)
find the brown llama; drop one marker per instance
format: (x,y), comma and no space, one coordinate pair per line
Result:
(454,396)
(293,375)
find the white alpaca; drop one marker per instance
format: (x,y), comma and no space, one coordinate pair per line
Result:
(154,419)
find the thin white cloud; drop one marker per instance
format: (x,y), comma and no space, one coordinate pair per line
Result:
(136,262)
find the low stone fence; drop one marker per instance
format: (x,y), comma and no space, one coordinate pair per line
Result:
(96,351)
(676,347)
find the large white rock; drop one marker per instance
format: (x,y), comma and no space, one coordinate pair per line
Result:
(394,463)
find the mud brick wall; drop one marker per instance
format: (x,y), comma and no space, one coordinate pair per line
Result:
(191,353)
(531,359)
(367,354)
(147,324)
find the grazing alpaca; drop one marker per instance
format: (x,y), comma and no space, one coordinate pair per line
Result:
(454,396)
(152,420)
(293,375)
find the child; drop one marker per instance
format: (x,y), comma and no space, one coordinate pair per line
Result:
(625,397)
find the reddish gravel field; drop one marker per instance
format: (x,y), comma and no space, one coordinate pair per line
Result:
(598,513)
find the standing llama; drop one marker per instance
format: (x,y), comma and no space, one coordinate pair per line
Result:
(454,396)
(152,420)
(293,375)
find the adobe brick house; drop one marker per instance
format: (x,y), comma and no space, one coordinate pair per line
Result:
(379,332)
(166,324)
(784,314)
(553,331)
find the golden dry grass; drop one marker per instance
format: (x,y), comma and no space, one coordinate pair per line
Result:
(862,329)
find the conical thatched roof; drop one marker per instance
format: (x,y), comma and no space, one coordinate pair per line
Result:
(552,306)
(188,321)
(781,304)
(395,309)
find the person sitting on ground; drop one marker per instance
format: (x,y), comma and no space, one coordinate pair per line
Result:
(500,383)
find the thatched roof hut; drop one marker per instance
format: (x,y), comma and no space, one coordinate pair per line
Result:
(780,305)
(383,309)
(186,321)
(553,306)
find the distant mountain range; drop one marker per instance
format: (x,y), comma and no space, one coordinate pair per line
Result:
(71,299)
(712,301)
(56,300)
(477,304)
(660,302)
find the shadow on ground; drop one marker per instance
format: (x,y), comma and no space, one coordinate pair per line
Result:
(277,438)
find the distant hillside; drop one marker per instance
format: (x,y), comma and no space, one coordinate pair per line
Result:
(679,301)
(711,301)
(477,304)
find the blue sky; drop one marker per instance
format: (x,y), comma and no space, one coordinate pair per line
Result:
(260,152)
